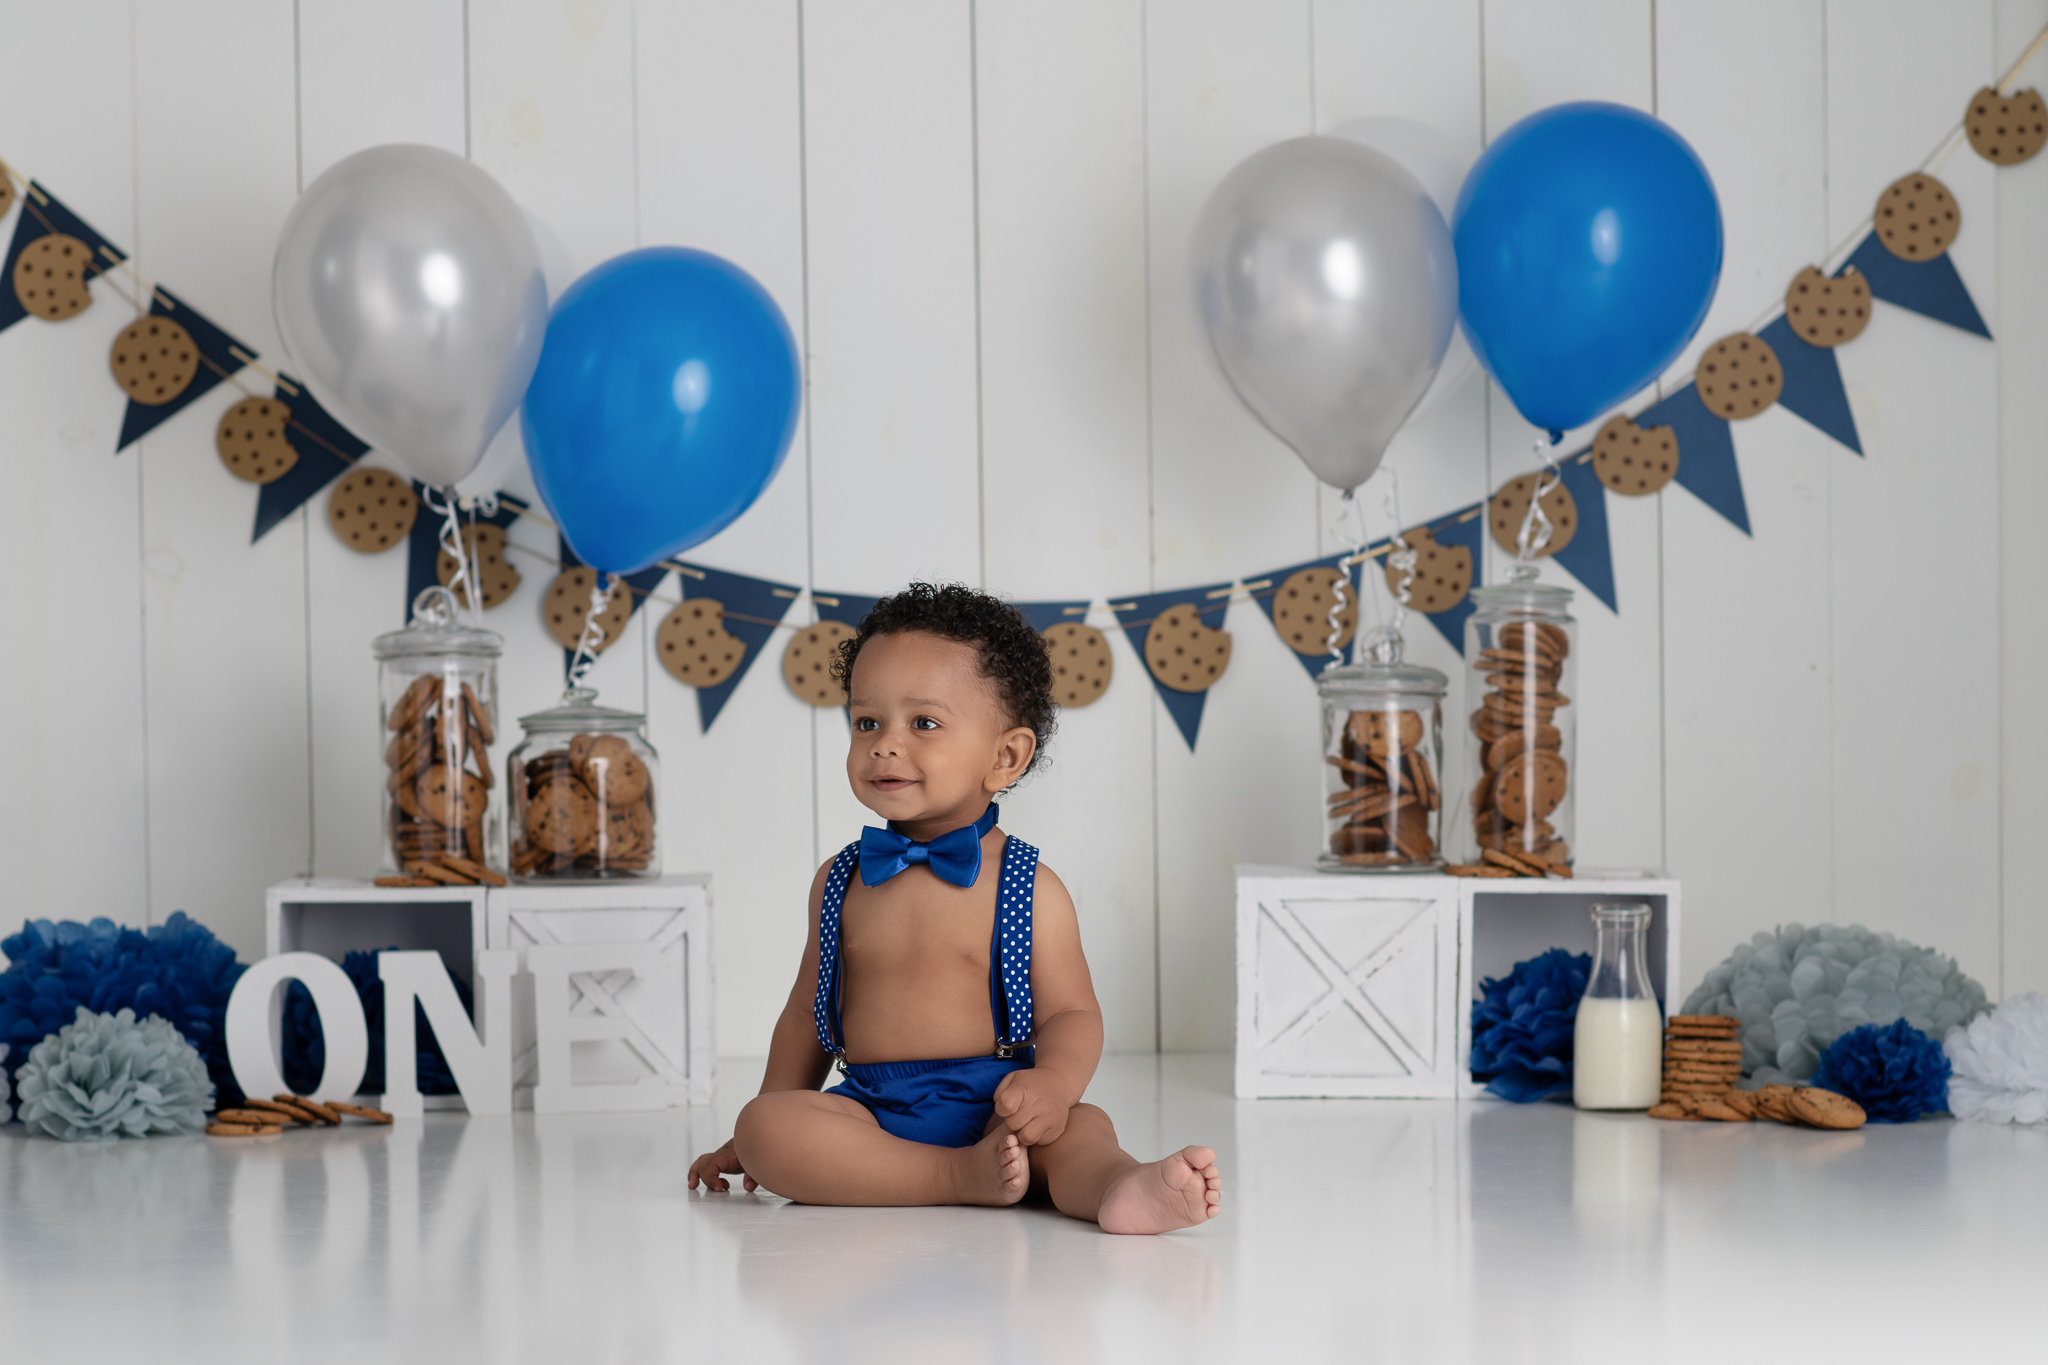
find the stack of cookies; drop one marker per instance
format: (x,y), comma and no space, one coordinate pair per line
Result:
(440,784)
(264,1118)
(1804,1106)
(1381,813)
(1523,777)
(1702,1055)
(586,811)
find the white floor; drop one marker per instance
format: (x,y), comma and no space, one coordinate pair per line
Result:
(1353,1230)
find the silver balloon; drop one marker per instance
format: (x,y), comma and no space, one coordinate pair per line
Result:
(408,292)
(1326,280)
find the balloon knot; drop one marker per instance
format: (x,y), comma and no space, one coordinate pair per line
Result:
(1556,436)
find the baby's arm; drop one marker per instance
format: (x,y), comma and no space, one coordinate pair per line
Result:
(795,1061)
(1033,1103)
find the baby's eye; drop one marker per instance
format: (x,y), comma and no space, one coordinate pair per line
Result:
(866,723)
(924,723)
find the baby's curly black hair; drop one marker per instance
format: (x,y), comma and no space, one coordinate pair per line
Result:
(1012,655)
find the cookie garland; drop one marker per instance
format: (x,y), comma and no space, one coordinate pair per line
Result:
(497,577)
(1081,662)
(1739,376)
(1507,508)
(1301,611)
(372,509)
(566,607)
(2004,129)
(807,663)
(50,277)
(1916,217)
(268,1118)
(1182,653)
(1634,461)
(251,441)
(694,646)
(154,359)
(1443,573)
(1827,312)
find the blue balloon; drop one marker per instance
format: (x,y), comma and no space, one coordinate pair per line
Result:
(664,401)
(1589,245)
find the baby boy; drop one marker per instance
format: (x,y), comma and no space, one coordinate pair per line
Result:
(941,937)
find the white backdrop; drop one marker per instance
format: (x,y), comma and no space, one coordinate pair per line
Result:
(975,217)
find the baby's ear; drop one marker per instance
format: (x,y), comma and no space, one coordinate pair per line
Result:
(1013,756)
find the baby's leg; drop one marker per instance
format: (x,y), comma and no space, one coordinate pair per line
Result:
(1090,1177)
(827,1149)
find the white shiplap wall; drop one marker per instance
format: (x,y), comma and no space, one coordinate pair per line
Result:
(975,217)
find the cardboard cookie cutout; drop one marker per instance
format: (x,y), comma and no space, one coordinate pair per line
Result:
(2005,129)
(694,645)
(1632,460)
(154,360)
(6,189)
(1184,654)
(1301,611)
(807,663)
(567,605)
(1081,664)
(1917,218)
(495,573)
(1443,573)
(1827,312)
(372,509)
(1506,510)
(50,277)
(1739,376)
(252,442)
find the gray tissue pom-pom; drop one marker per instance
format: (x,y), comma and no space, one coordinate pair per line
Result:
(1799,989)
(105,1076)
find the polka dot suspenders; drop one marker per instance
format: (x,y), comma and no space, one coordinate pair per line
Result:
(1009,955)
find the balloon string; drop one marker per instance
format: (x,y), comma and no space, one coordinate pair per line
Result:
(593,632)
(1351,523)
(1536,530)
(1402,560)
(456,546)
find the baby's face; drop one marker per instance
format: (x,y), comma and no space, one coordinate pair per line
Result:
(931,739)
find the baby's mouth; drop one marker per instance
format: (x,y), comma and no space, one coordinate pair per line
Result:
(892,784)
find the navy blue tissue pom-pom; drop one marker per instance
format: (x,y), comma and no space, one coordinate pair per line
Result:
(304,1048)
(176,970)
(1522,1026)
(1896,1072)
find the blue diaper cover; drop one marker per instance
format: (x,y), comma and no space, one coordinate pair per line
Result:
(946,1104)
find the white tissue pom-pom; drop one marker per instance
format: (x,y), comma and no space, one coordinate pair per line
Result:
(5,1112)
(1799,989)
(1999,1064)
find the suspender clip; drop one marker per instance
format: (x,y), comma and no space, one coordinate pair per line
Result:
(1004,1050)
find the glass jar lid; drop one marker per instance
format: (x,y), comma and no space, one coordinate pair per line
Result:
(437,628)
(579,712)
(1382,672)
(1522,593)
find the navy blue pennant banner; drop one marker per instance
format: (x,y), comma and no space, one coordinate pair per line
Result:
(1044,615)
(754,608)
(1465,529)
(1706,453)
(1930,288)
(423,544)
(42,214)
(639,584)
(220,355)
(847,608)
(1265,589)
(1813,383)
(326,451)
(1136,615)
(1590,556)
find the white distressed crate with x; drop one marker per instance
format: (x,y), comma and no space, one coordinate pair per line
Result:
(632,960)
(1346,985)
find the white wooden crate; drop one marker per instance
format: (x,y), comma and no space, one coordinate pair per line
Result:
(1351,985)
(333,916)
(638,1033)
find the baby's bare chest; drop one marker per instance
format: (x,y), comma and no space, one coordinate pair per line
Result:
(937,931)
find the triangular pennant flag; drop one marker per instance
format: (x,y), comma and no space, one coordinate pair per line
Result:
(1813,383)
(1706,452)
(638,585)
(754,607)
(40,216)
(847,608)
(1468,529)
(1266,598)
(1043,615)
(1930,288)
(326,450)
(1136,616)
(217,360)
(423,544)
(1589,558)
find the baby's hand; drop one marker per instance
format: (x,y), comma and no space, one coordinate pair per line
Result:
(713,1167)
(1033,1105)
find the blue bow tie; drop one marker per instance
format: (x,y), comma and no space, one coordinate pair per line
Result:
(954,855)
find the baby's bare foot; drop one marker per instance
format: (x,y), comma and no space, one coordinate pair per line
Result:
(1159,1196)
(993,1171)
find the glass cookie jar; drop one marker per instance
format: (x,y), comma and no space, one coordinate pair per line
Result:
(437,692)
(1520,650)
(583,794)
(1382,752)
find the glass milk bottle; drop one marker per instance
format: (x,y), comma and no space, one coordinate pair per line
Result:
(1618,1040)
